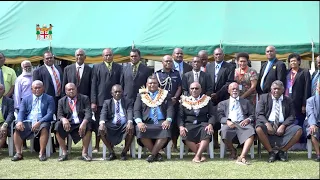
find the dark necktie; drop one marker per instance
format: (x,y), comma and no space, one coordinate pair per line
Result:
(118,114)
(134,70)
(277,115)
(78,75)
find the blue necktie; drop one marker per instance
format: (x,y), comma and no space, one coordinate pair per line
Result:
(155,115)
(1,77)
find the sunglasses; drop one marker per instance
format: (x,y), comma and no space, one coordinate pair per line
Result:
(194,88)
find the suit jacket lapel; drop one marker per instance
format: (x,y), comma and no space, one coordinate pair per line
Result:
(3,107)
(299,73)
(191,78)
(284,105)
(124,108)
(222,68)
(47,71)
(316,105)
(270,104)
(227,108)
(201,78)
(138,71)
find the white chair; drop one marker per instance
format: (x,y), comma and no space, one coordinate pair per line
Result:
(168,150)
(210,149)
(309,148)
(223,149)
(132,148)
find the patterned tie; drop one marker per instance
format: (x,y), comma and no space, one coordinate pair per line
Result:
(134,70)
(78,75)
(155,115)
(56,78)
(118,114)
(1,77)
(237,109)
(35,109)
(315,81)
(277,113)
(197,77)
(216,72)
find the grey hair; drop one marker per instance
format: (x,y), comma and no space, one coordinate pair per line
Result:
(37,82)
(278,83)
(25,62)
(75,53)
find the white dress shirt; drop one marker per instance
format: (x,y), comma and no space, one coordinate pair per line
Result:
(235,115)
(80,70)
(52,77)
(195,77)
(122,116)
(272,116)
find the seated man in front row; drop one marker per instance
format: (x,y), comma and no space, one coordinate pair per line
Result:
(6,116)
(153,112)
(313,121)
(275,122)
(196,120)
(236,115)
(34,118)
(74,118)
(115,121)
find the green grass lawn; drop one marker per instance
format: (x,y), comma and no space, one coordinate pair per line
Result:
(298,166)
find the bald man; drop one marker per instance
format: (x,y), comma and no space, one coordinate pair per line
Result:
(78,73)
(179,64)
(315,78)
(203,55)
(271,71)
(104,76)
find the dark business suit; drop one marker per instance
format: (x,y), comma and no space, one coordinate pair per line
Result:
(43,75)
(186,67)
(225,77)
(69,76)
(7,110)
(204,81)
(278,71)
(130,84)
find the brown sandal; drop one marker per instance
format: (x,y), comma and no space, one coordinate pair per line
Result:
(242,161)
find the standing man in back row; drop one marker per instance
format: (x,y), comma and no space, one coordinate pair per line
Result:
(104,76)
(271,71)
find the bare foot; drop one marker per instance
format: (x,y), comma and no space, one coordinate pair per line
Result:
(196,160)
(202,159)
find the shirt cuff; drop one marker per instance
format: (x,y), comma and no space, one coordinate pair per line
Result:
(101,122)
(169,119)
(138,120)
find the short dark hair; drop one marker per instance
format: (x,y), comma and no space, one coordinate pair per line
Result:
(294,55)
(47,52)
(153,76)
(136,50)
(242,54)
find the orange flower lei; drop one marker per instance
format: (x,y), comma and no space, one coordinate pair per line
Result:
(190,103)
(158,100)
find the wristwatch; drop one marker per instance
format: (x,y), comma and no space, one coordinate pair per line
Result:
(5,125)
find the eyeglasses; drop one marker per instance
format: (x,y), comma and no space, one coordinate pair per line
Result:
(195,88)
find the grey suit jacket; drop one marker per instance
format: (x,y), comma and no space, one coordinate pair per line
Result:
(265,107)
(204,80)
(313,113)
(246,107)
(7,110)
(108,111)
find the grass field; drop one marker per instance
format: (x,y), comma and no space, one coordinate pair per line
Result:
(298,166)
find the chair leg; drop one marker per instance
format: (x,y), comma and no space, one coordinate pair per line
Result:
(211,149)
(252,151)
(48,146)
(10,145)
(133,148)
(69,141)
(181,148)
(31,145)
(139,151)
(222,149)
(104,151)
(309,148)
(89,148)
(168,148)
(259,149)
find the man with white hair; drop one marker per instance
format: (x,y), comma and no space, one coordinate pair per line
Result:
(22,87)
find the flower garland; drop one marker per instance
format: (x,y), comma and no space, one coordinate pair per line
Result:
(157,101)
(189,102)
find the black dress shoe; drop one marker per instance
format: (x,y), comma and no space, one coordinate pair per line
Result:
(112,156)
(63,158)
(17,157)
(317,159)
(123,156)
(272,157)
(282,156)
(159,157)
(42,157)
(151,158)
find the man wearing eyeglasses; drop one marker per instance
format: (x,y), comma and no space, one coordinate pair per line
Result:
(271,71)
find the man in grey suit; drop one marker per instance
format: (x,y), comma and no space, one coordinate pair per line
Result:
(104,76)
(78,73)
(196,75)
(236,115)
(275,122)
(313,121)
(6,115)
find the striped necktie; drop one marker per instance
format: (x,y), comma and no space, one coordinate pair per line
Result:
(277,115)
(118,114)
(56,78)
(155,115)
(315,82)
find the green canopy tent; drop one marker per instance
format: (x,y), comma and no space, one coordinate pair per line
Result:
(157,28)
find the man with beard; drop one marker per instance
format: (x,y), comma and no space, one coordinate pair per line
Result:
(22,87)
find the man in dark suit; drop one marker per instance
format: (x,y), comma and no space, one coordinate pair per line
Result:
(275,122)
(222,74)
(6,116)
(74,118)
(115,121)
(134,75)
(203,55)
(312,123)
(104,76)
(51,76)
(271,71)
(196,75)
(153,112)
(237,116)
(34,119)
(315,78)
(179,64)
(78,73)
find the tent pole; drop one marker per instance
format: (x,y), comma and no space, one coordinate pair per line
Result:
(313,68)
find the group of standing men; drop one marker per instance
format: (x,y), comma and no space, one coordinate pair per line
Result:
(114,94)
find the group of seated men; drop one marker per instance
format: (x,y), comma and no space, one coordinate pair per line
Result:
(153,112)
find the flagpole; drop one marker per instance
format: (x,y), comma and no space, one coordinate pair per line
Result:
(313,68)
(132,46)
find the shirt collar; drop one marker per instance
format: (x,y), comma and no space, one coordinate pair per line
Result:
(219,64)
(281,98)
(115,101)
(75,98)
(34,96)
(77,65)
(153,94)
(195,71)
(172,70)
(235,98)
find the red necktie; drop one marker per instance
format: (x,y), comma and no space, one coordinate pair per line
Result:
(57,81)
